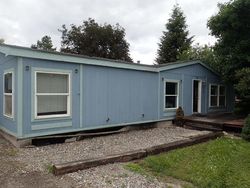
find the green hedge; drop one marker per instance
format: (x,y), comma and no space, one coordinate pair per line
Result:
(242,108)
(246,129)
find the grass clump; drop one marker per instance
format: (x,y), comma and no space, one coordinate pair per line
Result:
(49,168)
(223,162)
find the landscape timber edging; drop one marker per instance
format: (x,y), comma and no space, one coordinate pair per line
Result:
(64,168)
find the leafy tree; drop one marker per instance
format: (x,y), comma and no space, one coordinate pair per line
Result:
(44,44)
(243,86)
(204,53)
(1,41)
(242,107)
(93,39)
(231,26)
(175,39)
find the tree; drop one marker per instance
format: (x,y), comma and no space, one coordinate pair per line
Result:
(243,86)
(93,39)
(231,27)
(1,41)
(204,53)
(44,44)
(175,39)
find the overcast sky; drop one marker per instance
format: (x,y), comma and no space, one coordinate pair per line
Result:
(23,22)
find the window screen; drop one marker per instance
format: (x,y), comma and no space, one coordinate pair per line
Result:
(52,94)
(8,94)
(171,95)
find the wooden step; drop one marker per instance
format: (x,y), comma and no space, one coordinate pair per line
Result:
(205,122)
(199,126)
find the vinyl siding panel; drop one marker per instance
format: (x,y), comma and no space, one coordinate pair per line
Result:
(8,63)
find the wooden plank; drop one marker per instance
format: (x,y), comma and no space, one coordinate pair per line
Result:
(64,168)
(60,169)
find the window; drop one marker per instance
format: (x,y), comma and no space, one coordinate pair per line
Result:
(52,95)
(171,94)
(222,96)
(213,95)
(217,96)
(8,94)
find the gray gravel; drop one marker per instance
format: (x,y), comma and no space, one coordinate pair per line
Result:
(113,175)
(38,157)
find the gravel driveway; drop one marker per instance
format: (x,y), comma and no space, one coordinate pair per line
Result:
(38,160)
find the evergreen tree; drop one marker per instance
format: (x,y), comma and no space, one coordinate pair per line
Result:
(175,39)
(44,44)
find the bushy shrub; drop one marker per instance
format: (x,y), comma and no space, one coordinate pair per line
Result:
(179,121)
(246,129)
(242,108)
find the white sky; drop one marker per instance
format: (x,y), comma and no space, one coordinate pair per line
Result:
(23,22)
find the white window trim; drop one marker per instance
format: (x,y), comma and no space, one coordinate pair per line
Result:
(8,94)
(178,94)
(53,94)
(218,95)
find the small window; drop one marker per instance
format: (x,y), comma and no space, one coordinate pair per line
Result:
(52,95)
(8,94)
(217,96)
(171,94)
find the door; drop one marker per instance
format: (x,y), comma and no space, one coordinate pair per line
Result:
(196,96)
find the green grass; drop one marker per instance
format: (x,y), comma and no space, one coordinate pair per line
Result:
(49,168)
(219,163)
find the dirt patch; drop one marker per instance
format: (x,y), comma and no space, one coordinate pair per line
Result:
(14,173)
(34,179)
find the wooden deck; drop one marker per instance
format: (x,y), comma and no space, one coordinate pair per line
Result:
(215,123)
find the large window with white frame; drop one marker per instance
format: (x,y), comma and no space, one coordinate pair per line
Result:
(217,95)
(52,94)
(8,97)
(171,94)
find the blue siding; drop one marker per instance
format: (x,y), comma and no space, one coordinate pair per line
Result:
(118,95)
(7,63)
(108,93)
(40,126)
(104,96)
(186,75)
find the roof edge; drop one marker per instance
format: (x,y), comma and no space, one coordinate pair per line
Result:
(26,52)
(187,63)
(72,58)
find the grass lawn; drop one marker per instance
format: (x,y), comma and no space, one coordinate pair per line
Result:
(223,162)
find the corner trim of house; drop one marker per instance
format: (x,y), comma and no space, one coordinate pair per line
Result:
(81,95)
(19,97)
